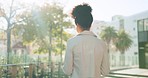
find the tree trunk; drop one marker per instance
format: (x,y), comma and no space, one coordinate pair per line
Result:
(61,35)
(122,59)
(8,44)
(50,50)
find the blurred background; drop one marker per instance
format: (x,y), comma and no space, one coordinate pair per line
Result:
(33,36)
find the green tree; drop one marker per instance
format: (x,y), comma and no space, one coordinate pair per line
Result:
(122,44)
(108,34)
(43,27)
(9,13)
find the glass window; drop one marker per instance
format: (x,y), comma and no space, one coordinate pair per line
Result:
(140,25)
(146,55)
(146,25)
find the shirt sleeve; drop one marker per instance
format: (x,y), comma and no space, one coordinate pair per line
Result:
(68,62)
(105,66)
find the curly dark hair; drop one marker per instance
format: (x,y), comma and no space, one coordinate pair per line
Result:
(82,15)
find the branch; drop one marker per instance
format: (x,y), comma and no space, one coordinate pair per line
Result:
(11,7)
(13,13)
(12,25)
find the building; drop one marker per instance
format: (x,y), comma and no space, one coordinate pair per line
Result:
(128,24)
(97,26)
(19,49)
(137,26)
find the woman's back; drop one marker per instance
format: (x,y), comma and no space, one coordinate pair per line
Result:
(88,52)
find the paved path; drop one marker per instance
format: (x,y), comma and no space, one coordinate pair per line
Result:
(129,73)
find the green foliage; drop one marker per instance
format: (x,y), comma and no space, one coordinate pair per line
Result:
(16,59)
(40,25)
(120,39)
(108,34)
(123,42)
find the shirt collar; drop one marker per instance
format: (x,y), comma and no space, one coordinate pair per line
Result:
(87,33)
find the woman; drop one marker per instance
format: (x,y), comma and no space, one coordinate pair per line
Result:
(86,55)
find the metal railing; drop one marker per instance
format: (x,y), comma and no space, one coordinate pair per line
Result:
(122,61)
(40,70)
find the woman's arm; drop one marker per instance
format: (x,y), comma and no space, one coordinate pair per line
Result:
(68,62)
(105,66)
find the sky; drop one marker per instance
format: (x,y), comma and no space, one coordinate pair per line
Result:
(105,9)
(102,9)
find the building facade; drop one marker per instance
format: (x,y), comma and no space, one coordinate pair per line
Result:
(137,27)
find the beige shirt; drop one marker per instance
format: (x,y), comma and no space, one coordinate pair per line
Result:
(86,57)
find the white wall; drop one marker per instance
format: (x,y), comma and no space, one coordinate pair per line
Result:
(131,28)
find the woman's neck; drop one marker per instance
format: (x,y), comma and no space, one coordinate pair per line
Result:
(80,29)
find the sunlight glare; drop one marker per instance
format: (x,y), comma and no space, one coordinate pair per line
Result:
(34,2)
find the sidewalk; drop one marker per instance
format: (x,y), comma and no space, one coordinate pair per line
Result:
(129,73)
(134,71)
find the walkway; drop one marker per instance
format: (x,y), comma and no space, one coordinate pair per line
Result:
(129,73)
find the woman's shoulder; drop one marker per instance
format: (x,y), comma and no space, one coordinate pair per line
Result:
(74,39)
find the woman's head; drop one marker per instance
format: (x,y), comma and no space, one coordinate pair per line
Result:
(82,15)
